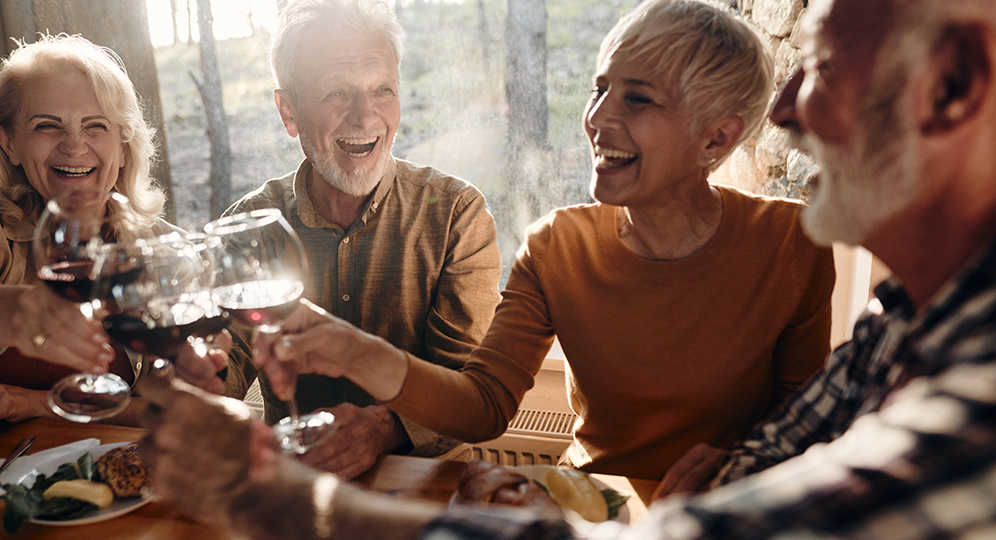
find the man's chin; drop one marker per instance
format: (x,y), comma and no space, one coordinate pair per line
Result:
(825,227)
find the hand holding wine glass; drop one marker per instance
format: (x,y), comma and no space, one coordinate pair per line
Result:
(70,234)
(259,272)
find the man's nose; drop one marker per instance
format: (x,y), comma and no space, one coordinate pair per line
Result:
(362,108)
(783,113)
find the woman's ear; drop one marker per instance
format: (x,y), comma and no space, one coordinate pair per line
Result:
(721,137)
(957,81)
(7,143)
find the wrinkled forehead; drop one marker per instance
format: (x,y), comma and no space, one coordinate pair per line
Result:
(850,32)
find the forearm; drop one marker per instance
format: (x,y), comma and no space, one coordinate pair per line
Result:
(377,366)
(19,404)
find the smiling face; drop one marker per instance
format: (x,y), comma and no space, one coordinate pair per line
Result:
(62,139)
(349,110)
(640,142)
(853,116)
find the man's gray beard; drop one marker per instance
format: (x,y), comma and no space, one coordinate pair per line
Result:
(359,183)
(864,183)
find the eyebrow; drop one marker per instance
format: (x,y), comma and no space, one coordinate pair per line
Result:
(58,119)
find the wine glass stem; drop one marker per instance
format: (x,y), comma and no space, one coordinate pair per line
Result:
(295,414)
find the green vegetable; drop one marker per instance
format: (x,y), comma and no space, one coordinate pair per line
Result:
(28,503)
(614,500)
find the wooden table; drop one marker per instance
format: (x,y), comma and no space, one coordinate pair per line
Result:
(402,476)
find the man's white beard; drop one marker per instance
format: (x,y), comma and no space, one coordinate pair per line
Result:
(358,183)
(859,188)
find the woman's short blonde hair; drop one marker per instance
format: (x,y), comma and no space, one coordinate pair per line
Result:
(117,99)
(711,59)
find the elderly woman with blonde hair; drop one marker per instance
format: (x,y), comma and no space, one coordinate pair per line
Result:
(687,311)
(70,119)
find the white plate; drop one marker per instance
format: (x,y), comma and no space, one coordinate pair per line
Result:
(538,472)
(117,508)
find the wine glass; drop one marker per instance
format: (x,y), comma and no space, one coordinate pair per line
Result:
(259,268)
(153,295)
(71,231)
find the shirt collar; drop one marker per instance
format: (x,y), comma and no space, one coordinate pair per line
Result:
(306,209)
(965,301)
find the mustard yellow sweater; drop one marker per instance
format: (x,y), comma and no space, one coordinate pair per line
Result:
(662,354)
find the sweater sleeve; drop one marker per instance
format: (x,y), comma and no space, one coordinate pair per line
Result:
(802,348)
(477,403)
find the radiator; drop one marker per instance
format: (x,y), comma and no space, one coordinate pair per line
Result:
(534,437)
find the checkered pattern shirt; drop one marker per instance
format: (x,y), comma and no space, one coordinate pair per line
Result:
(910,407)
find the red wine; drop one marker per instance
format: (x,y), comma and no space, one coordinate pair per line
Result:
(259,303)
(69,279)
(162,341)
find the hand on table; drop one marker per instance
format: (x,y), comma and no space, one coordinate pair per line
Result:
(363,434)
(19,404)
(43,325)
(199,363)
(692,472)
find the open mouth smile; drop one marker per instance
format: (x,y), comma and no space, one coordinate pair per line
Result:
(611,158)
(357,147)
(74,172)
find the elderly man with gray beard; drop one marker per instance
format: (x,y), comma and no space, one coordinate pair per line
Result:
(895,438)
(402,251)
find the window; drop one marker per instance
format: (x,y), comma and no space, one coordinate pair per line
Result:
(454,109)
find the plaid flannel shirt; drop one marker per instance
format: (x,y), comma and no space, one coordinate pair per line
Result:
(920,465)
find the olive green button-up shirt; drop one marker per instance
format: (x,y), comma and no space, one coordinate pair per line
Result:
(419,268)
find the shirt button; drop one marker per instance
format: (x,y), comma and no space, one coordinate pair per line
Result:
(345,298)
(345,240)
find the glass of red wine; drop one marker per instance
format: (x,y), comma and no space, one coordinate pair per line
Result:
(70,234)
(164,300)
(258,272)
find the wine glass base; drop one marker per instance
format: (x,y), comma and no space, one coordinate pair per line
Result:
(310,430)
(86,397)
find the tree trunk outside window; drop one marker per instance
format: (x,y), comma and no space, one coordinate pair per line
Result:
(217,124)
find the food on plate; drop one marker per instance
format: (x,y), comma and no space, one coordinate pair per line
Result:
(574,490)
(551,487)
(485,482)
(96,493)
(123,471)
(76,489)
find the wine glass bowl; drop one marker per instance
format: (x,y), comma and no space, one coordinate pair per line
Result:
(259,266)
(152,295)
(68,237)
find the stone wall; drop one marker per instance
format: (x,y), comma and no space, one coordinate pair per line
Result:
(764,163)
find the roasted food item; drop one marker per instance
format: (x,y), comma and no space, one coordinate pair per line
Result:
(84,490)
(123,471)
(485,482)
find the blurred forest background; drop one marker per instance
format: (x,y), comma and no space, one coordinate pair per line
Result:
(455,112)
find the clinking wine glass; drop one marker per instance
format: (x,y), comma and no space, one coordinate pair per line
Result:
(259,270)
(153,295)
(69,236)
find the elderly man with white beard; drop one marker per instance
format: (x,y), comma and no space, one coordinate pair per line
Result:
(894,439)
(905,141)
(405,252)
